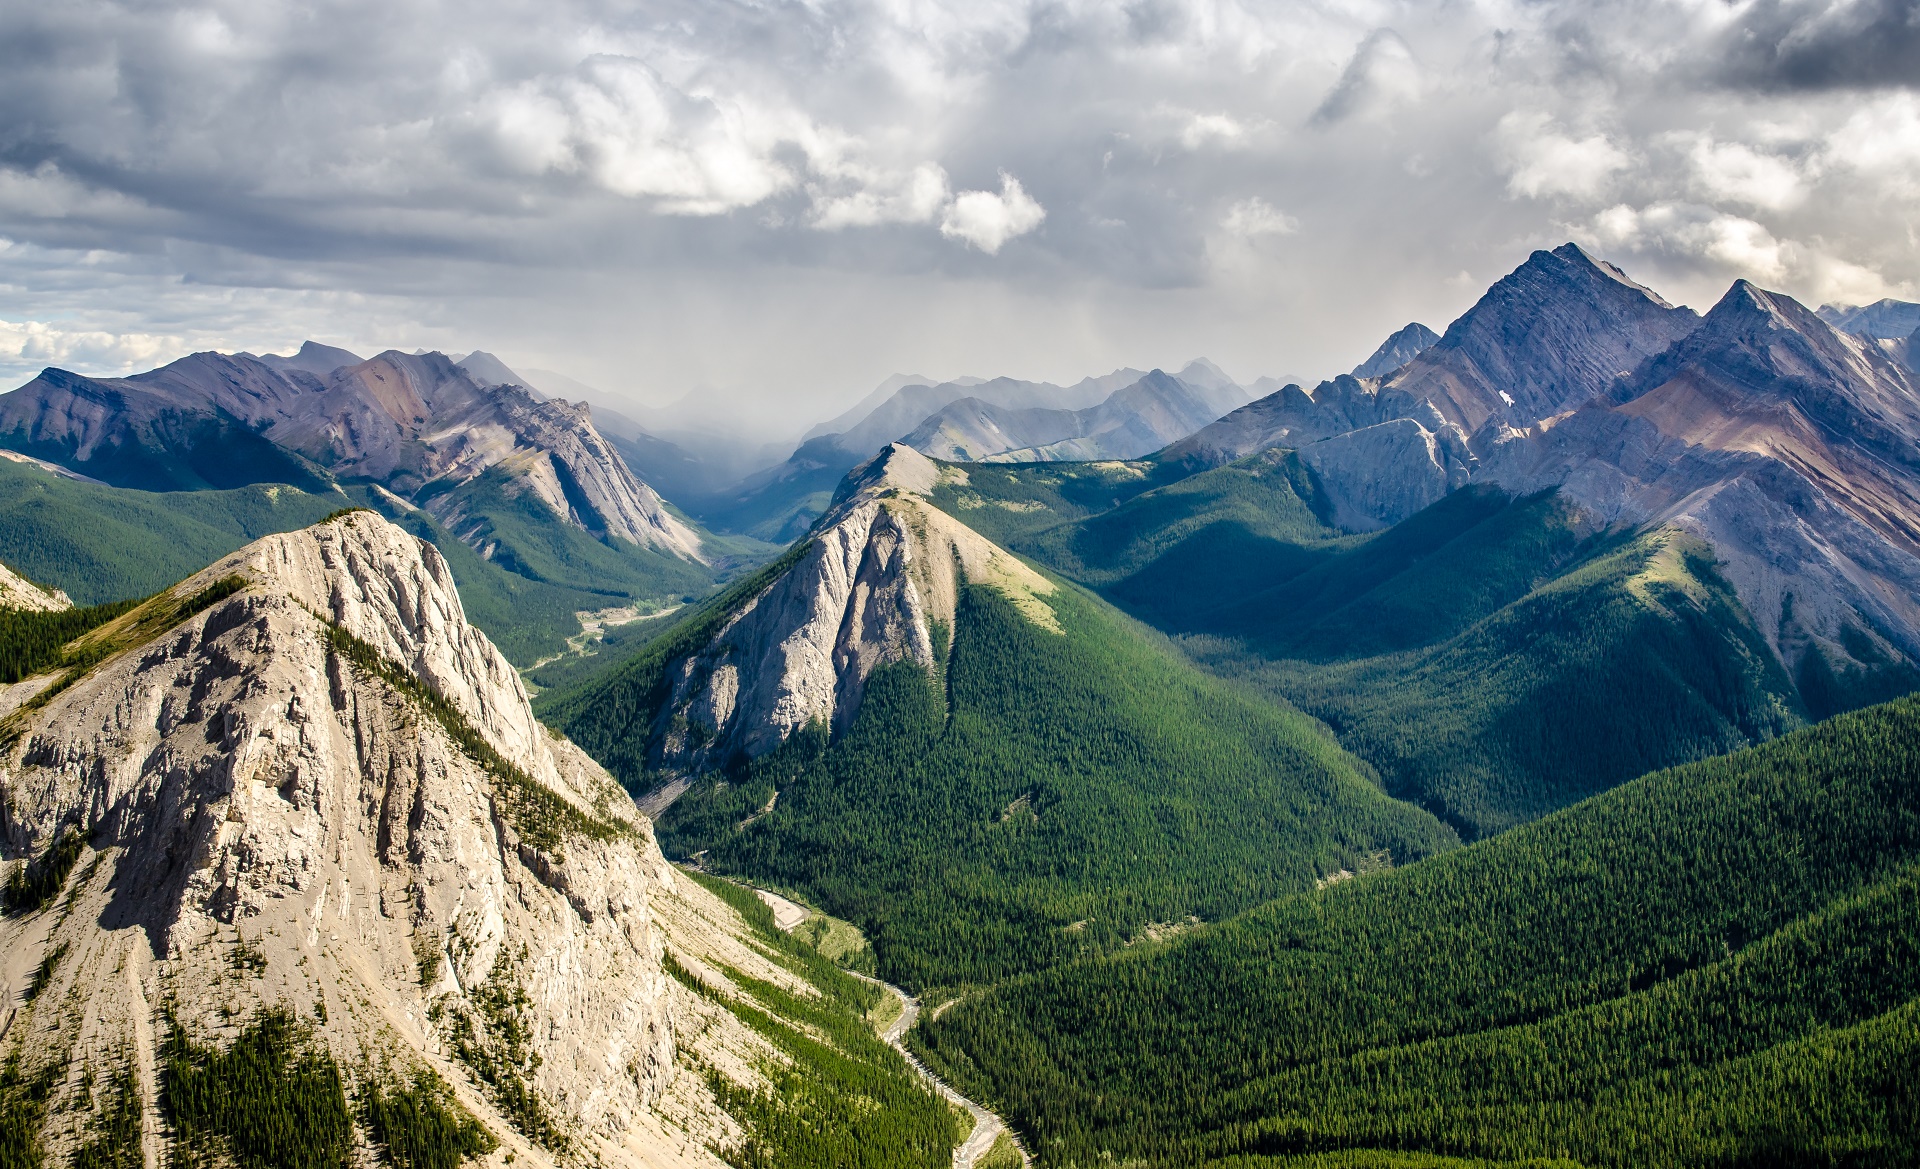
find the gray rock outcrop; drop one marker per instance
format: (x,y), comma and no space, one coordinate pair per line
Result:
(882,567)
(17,592)
(244,786)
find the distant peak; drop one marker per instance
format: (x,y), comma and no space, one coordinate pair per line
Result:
(1575,255)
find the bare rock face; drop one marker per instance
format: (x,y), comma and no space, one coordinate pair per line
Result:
(415,424)
(1403,346)
(1551,334)
(267,786)
(1379,475)
(17,592)
(881,569)
(1792,448)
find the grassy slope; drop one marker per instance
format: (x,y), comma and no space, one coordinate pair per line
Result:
(533,544)
(1492,660)
(1718,964)
(1062,794)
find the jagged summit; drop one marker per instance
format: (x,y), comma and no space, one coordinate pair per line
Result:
(1406,343)
(1545,338)
(880,571)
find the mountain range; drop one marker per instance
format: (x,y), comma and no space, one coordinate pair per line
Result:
(1121,415)
(1502,754)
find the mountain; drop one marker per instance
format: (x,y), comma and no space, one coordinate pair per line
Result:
(1133,421)
(1544,339)
(1712,549)
(1122,414)
(1403,346)
(1713,965)
(346,897)
(529,485)
(1891,320)
(1550,335)
(312,357)
(1789,447)
(488,370)
(915,729)
(401,421)
(143,436)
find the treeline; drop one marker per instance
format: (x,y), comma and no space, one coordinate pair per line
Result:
(1718,964)
(1062,794)
(31,643)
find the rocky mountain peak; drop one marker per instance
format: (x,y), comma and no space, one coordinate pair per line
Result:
(1551,334)
(881,569)
(300,780)
(1406,343)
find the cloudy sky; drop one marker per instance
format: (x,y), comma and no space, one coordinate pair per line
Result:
(776,203)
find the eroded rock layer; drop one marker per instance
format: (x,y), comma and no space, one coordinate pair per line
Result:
(301,781)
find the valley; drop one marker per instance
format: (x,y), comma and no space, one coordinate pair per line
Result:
(1502,754)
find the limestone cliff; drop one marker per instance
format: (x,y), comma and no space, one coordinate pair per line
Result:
(17,592)
(300,780)
(881,571)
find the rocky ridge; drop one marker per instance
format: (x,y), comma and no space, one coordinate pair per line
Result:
(1791,447)
(322,791)
(17,592)
(416,425)
(878,578)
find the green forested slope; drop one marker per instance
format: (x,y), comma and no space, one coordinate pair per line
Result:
(1713,965)
(104,544)
(1059,796)
(1490,657)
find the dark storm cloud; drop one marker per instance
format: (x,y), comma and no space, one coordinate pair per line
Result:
(1824,44)
(987,183)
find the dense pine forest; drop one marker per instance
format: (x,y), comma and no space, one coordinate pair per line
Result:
(1490,656)
(1048,797)
(1716,964)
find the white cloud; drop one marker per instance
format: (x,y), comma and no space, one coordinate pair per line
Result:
(35,344)
(1880,144)
(918,196)
(1542,161)
(1735,246)
(988,220)
(1203,129)
(1255,216)
(1737,173)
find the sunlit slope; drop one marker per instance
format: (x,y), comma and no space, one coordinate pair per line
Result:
(1717,964)
(1039,796)
(1491,656)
